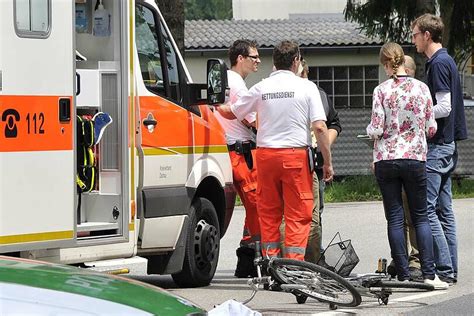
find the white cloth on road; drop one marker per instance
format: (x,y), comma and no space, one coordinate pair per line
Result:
(232,308)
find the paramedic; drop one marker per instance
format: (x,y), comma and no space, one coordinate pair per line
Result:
(244,59)
(286,105)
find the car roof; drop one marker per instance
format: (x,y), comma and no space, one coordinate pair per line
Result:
(30,300)
(91,284)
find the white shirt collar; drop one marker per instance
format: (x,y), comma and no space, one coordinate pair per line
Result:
(277,72)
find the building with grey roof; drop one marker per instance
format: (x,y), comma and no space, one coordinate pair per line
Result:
(342,60)
(284,9)
(310,31)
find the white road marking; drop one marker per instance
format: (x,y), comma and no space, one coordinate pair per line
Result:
(391,301)
(417,296)
(329,313)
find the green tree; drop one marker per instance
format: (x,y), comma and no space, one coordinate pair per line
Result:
(173,13)
(208,9)
(391,19)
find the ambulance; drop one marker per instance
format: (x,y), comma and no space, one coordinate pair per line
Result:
(161,186)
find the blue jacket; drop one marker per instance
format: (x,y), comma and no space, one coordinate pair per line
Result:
(442,76)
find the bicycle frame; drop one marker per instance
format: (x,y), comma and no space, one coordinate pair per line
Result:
(380,285)
(366,286)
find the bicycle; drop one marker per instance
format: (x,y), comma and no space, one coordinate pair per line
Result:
(302,279)
(341,258)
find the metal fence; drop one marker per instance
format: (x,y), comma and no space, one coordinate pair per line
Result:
(353,157)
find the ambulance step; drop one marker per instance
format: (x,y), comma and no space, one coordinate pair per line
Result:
(134,265)
(85,228)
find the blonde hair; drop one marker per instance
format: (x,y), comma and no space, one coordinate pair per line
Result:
(392,54)
(303,70)
(409,64)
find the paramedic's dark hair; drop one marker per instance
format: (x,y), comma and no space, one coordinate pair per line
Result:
(284,54)
(240,47)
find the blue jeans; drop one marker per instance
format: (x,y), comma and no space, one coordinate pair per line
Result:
(411,174)
(441,162)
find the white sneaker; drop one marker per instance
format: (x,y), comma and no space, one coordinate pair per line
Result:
(437,283)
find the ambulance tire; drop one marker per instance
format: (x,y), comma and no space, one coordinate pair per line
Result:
(202,246)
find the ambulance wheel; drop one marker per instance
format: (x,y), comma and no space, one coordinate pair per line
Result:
(202,246)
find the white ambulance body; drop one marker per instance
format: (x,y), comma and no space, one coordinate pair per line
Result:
(163,177)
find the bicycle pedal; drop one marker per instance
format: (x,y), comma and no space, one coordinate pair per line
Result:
(300,298)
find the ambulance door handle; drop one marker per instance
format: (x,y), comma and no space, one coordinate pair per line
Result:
(150,123)
(64,110)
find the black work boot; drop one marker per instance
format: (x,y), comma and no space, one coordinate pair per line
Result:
(245,265)
(391,269)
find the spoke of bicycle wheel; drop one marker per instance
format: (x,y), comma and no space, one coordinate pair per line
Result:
(317,284)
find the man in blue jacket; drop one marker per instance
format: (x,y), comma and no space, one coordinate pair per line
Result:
(442,77)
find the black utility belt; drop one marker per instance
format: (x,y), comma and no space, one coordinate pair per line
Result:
(242,147)
(316,160)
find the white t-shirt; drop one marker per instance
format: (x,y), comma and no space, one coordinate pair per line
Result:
(286,105)
(235,129)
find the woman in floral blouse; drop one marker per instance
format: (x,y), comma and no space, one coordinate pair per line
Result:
(402,118)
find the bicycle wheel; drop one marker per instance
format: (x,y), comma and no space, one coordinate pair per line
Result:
(321,284)
(392,284)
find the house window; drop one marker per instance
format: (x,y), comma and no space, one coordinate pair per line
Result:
(347,86)
(32,18)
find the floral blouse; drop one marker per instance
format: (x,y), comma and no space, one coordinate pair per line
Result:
(402,117)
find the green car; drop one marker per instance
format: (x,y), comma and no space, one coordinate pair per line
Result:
(32,287)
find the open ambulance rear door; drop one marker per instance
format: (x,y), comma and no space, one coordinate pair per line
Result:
(37,184)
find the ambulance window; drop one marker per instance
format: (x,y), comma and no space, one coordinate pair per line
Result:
(172,65)
(148,50)
(32,18)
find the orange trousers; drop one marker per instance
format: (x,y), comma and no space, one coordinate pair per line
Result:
(284,190)
(245,183)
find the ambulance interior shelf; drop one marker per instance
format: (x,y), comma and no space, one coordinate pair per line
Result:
(100,92)
(89,131)
(90,76)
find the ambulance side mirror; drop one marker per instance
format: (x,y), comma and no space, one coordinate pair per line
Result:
(216,81)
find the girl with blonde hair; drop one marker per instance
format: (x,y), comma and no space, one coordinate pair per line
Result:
(402,118)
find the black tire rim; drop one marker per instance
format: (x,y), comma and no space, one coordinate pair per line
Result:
(206,244)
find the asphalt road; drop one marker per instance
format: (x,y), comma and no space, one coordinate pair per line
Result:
(365,225)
